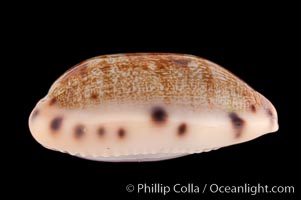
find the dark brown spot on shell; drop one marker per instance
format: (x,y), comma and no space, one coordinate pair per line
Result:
(94,96)
(56,123)
(101,131)
(182,129)
(269,112)
(237,124)
(253,108)
(35,113)
(79,131)
(159,115)
(52,101)
(121,133)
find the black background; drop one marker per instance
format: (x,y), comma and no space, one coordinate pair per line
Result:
(259,51)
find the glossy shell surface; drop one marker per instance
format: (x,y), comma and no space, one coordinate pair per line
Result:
(148,106)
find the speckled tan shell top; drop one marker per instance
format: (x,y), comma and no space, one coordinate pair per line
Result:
(182,80)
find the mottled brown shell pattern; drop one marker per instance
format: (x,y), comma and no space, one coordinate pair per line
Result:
(173,79)
(147,107)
